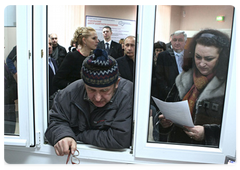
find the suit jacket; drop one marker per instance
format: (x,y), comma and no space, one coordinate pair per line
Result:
(166,72)
(115,49)
(126,68)
(52,88)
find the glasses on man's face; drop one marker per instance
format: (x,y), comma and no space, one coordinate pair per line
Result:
(74,159)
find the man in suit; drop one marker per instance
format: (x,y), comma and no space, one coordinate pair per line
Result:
(113,48)
(52,69)
(169,64)
(58,51)
(126,63)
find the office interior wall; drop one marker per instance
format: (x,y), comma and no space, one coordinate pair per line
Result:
(113,11)
(191,19)
(64,19)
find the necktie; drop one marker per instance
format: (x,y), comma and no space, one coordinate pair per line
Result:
(51,65)
(179,62)
(107,47)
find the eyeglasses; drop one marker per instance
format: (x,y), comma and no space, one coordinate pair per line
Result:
(74,158)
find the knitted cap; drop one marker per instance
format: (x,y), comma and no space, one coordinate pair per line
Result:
(99,69)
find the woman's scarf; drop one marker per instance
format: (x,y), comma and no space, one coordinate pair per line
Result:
(200,82)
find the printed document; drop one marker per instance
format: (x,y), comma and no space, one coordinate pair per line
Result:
(177,112)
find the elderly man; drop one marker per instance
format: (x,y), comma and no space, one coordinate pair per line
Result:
(169,64)
(113,48)
(96,109)
(58,52)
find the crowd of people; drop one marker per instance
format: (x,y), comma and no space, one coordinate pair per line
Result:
(91,88)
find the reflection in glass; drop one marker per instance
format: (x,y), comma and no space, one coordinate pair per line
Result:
(194,68)
(10,73)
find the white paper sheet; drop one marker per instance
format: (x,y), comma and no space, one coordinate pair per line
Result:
(177,112)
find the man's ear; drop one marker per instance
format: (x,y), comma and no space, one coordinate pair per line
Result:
(116,86)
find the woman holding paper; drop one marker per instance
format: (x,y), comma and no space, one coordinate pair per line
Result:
(202,83)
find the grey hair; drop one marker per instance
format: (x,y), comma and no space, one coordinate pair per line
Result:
(180,32)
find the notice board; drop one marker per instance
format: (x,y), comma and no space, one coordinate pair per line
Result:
(121,28)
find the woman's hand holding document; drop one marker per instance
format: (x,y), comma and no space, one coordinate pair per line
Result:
(177,112)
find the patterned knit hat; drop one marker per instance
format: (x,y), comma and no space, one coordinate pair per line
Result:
(99,69)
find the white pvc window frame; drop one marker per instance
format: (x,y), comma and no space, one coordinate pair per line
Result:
(25,74)
(142,151)
(171,152)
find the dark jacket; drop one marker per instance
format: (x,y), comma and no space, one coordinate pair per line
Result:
(69,70)
(11,58)
(52,88)
(10,94)
(208,109)
(115,49)
(165,71)
(126,68)
(58,54)
(107,127)
(10,87)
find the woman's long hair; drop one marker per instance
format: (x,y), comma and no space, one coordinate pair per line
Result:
(209,37)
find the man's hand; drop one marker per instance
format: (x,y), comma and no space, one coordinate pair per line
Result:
(63,146)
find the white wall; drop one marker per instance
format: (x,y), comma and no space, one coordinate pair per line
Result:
(192,19)
(64,19)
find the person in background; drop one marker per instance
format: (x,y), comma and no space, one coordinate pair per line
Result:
(202,83)
(113,48)
(126,63)
(10,95)
(69,71)
(169,45)
(96,109)
(52,69)
(72,47)
(59,52)
(121,41)
(169,64)
(11,58)
(158,48)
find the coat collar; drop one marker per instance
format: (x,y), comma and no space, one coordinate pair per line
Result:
(215,87)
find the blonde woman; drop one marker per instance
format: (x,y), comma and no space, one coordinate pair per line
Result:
(69,71)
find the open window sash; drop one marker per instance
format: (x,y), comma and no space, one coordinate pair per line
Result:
(25,79)
(171,152)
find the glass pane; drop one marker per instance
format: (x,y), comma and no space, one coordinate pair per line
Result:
(11,123)
(68,49)
(190,62)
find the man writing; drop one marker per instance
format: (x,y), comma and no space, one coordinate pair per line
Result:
(96,109)
(113,48)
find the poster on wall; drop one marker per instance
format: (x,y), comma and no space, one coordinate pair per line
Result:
(121,28)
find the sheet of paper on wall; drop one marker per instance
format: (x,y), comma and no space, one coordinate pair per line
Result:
(177,112)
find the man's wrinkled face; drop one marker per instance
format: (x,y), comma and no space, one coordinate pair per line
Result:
(178,42)
(101,96)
